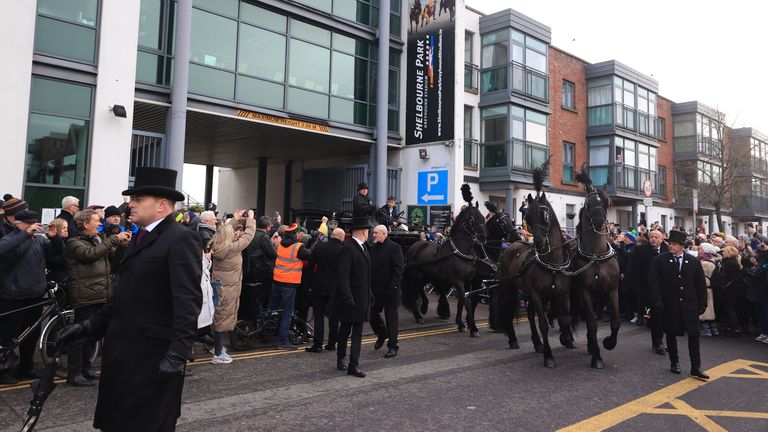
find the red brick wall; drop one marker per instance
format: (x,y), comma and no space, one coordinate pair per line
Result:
(565,124)
(666,147)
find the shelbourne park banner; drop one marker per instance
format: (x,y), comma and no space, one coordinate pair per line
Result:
(431,71)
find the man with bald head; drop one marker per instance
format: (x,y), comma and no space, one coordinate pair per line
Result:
(387,266)
(324,262)
(637,272)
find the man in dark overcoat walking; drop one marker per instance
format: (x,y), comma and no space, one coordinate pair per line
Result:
(352,297)
(325,264)
(150,323)
(679,292)
(637,275)
(387,266)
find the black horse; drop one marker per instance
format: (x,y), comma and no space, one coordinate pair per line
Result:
(414,16)
(595,269)
(537,270)
(448,6)
(446,265)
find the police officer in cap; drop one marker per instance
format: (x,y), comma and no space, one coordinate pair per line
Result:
(362,206)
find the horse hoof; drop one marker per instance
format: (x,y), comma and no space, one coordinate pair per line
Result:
(474,333)
(419,320)
(462,329)
(609,343)
(514,345)
(549,363)
(538,348)
(597,364)
(444,317)
(567,341)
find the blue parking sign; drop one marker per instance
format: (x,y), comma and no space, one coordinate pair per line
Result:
(433,187)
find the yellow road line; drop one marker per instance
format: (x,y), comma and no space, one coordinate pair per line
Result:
(649,404)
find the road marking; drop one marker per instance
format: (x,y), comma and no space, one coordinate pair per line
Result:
(671,394)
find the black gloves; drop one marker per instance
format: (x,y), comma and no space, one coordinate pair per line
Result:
(172,365)
(74,333)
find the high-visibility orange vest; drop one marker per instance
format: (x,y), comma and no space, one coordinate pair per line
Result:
(287,265)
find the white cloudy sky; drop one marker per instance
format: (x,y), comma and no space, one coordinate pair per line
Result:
(711,51)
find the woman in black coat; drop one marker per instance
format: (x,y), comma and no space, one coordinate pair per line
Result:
(732,289)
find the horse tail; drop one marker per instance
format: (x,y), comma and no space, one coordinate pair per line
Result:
(508,297)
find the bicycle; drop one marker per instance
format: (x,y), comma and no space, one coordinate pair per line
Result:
(246,332)
(55,317)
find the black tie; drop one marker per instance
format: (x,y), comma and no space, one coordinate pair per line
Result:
(679,263)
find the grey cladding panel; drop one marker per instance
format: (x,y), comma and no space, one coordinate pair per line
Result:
(613,67)
(511,18)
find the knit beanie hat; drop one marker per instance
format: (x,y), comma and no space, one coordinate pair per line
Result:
(14,205)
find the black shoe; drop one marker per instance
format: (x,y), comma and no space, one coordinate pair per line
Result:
(392,352)
(675,368)
(379,343)
(90,376)
(355,372)
(330,347)
(314,349)
(206,340)
(340,365)
(697,373)
(660,350)
(80,381)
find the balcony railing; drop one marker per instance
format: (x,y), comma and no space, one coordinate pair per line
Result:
(757,204)
(646,124)
(525,80)
(470,153)
(708,146)
(471,76)
(625,116)
(628,179)
(513,155)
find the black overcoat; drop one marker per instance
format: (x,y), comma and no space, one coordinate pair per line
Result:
(352,298)
(681,293)
(154,310)
(636,272)
(325,262)
(387,265)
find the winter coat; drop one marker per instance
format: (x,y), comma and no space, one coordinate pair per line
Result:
(23,259)
(90,274)
(362,206)
(205,232)
(325,263)
(731,284)
(259,259)
(679,295)
(71,225)
(352,299)
(636,271)
(207,310)
(228,267)
(153,311)
(387,266)
(709,268)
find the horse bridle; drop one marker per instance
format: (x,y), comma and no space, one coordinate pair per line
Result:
(555,267)
(588,212)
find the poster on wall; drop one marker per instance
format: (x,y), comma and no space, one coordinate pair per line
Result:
(417,215)
(431,71)
(440,217)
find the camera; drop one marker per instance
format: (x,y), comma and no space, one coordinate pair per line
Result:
(111,229)
(245,213)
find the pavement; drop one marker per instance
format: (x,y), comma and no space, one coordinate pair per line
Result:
(446,381)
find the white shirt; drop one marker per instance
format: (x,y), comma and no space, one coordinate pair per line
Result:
(152,226)
(679,261)
(360,243)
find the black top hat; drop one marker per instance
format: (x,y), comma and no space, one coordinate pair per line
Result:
(362,185)
(111,211)
(677,237)
(158,182)
(360,222)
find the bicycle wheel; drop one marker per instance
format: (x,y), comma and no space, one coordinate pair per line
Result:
(240,338)
(297,332)
(48,338)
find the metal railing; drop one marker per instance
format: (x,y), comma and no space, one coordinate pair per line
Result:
(470,153)
(708,146)
(525,80)
(471,77)
(515,155)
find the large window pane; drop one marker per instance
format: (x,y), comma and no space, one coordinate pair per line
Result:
(309,103)
(598,155)
(259,92)
(79,11)
(262,17)
(348,111)
(149,68)
(65,40)
(224,7)
(495,156)
(536,132)
(356,47)
(323,5)
(213,40)
(343,79)
(493,80)
(310,33)
(262,53)
(151,24)
(56,150)
(599,95)
(309,66)
(494,126)
(536,60)
(352,10)
(495,55)
(56,97)
(39,197)
(211,82)
(600,116)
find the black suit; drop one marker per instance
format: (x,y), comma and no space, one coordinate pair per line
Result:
(387,265)
(638,266)
(362,206)
(352,298)
(325,263)
(681,293)
(153,312)
(388,216)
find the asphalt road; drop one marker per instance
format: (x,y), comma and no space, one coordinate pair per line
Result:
(446,381)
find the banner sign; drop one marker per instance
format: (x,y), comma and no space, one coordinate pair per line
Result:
(440,216)
(431,71)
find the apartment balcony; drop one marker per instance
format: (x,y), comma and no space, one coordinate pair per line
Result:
(625,181)
(750,207)
(471,77)
(521,79)
(503,162)
(471,150)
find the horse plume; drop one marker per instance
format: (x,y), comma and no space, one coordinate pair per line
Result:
(466,193)
(491,208)
(583,178)
(540,174)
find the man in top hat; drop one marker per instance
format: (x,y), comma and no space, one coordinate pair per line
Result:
(679,293)
(286,278)
(150,323)
(362,206)
(352,297)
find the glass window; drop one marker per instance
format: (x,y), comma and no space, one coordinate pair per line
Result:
(569,92)
(495,156)
(468,38)
(536,60)
(343,78)
(494,125)
(262,53)
(310,33)
(534,131)
(309,66)
(353,10)
(79,11)
(306,102)
(151,24)
(223,7)
(57,97)
(213,40)
(600,116)
(348,111)
(65,40)
(568,161)
(467,122)
(323,5)
(360,48)
(262,17)
(211,82)
(149,68)
(260,93)
(598,94)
